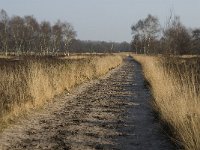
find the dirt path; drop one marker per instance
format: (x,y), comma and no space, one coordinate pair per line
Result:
(110,113)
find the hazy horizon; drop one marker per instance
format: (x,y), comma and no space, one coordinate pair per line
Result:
(104,20)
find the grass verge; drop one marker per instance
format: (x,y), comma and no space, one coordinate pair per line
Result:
(175,85)
(28,82)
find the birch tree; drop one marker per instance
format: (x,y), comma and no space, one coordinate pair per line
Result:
(146,31)
(4,36)
(68,35)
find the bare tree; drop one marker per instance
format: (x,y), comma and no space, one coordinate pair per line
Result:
(137,44)
(45,37)
(57,36)
(176,37)
(25,34)
(196,41)
(32,33)
(146,31)
(62,34)
(18,33)
(4,35)
(68,35)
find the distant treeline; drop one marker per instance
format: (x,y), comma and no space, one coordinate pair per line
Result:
(20,35)
(99,46)
(174,38)
(26,34)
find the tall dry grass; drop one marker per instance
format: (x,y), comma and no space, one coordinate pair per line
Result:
(29,82)
(175,85)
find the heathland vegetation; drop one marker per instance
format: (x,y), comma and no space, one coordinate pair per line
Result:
(27,83)
(174,78)
(175,85)
(35,64)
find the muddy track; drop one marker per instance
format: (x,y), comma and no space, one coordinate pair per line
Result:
(113,112)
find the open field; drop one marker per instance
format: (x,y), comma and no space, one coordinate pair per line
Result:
(175,85)
(28,82)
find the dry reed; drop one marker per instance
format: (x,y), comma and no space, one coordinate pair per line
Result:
(29,82)
(175,85)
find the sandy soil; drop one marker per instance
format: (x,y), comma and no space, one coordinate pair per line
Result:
(110,113)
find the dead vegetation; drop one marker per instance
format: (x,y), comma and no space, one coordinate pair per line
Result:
(175,84)
(27,83)
(111,112)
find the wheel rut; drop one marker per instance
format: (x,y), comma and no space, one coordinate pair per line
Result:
(113,112)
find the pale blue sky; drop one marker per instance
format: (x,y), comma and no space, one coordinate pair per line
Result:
(108,20)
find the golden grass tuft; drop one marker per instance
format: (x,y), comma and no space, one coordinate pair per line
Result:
(29,82)
(175,84)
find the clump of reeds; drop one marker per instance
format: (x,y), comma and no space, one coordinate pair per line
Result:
(175,85)
(29,82)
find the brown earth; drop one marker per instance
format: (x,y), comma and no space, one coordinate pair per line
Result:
(113,112)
